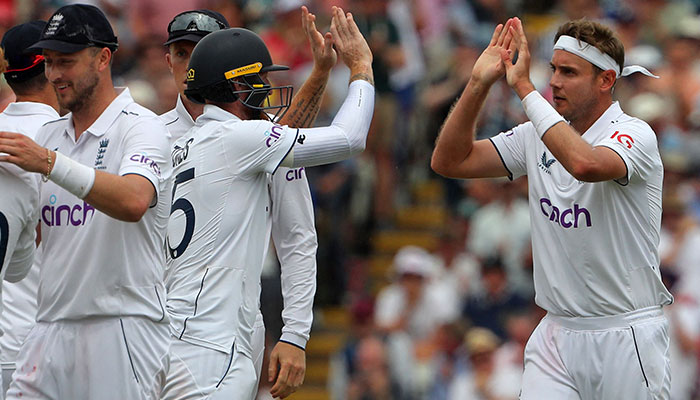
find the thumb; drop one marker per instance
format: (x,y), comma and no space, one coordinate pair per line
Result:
(272,369)
(507,58)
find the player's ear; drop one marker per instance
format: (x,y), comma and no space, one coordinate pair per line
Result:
(607,80)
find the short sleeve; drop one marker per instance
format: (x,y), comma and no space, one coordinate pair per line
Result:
(636,144)
(146,151)
(511,147)
(257,145)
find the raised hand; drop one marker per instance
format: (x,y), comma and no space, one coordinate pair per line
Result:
(324,55)
(351,45)
(22,151)
(489,67)
(518,74)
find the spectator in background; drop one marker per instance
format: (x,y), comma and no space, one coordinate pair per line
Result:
(500,227)
(485,380)
(490,307)
(372,380)
(408,313)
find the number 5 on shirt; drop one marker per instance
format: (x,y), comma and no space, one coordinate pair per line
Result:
(186,207)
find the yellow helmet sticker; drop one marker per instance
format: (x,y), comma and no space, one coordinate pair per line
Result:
(248,69)
(190,74)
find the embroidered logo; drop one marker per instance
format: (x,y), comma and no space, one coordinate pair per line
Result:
(301,139)
(53,25)
(101,154)
(544,163)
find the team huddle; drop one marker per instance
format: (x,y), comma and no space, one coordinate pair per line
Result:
(142,279)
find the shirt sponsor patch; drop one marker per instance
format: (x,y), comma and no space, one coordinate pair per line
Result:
(144,159)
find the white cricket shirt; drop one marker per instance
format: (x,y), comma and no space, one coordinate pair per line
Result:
(19,298)
(95,265)
(293,232)
(595,245)
(178,120)
(220,226)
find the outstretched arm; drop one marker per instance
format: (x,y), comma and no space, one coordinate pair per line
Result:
(456,153)
(307,102)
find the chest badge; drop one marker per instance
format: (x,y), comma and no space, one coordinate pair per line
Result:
(545,163)
(101,154)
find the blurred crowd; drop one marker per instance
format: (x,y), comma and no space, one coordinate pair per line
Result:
(452,321)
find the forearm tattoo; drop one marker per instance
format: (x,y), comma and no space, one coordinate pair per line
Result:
(362,76)
(303,113)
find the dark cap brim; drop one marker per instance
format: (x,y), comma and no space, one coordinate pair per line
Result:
(190,37)
(274,67)
(57,45)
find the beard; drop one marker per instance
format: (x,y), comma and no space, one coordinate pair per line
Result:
(83,93)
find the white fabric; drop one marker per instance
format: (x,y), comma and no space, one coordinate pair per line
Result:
(96,358)
(201,373)
(116,267)
(599,358)
(19,299)
(344,138)
(294,234)
(178,120)
(596,57)
(258,345)
(540,112)
(595,245)
(213,276)
(76,178)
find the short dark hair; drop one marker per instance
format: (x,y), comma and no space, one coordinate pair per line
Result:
(595,34)
(29,86)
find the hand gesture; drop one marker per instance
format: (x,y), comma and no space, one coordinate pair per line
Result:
(291,361)
(23,152)
(349,42)
(518,74)
(325,56)
(489,67)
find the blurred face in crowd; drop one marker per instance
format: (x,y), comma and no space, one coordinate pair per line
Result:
(412,284)
(75,76)
(178,57)
(574,86)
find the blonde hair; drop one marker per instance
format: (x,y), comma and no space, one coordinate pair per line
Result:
(3,63)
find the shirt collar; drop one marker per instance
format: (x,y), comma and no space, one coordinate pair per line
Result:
(27,108)
(612,114)
(182,111)
(215,113)
(108,116)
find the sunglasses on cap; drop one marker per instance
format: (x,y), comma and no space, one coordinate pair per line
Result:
(195,22)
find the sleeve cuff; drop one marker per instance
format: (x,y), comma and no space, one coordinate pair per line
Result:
(294,340)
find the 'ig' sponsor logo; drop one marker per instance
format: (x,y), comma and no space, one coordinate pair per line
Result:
(66,214)
(566,218)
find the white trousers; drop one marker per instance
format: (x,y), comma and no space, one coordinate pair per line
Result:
(599,358)
(96,358)
(197,372)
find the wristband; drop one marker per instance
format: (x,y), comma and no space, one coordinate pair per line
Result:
(540,112)
(72,176)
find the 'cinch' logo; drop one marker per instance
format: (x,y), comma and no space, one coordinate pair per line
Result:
(565,218)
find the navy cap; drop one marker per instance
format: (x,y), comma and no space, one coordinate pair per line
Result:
(75,27)
(23,64)
(194,25)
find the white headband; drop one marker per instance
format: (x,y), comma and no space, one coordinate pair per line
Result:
(596,57)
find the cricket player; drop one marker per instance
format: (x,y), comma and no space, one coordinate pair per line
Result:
(102,329)
(35,104)
(595,177)
(293,230)
(220,222)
